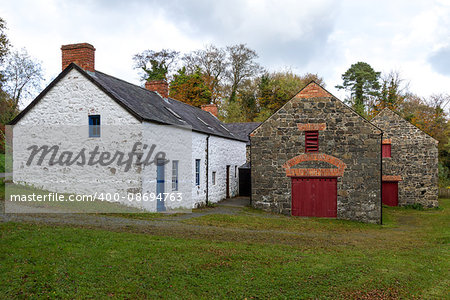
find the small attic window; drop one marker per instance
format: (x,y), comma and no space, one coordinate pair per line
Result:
(312,141)
(172,112)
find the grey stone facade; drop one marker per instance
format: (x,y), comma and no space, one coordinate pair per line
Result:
(346,137)
(414,157)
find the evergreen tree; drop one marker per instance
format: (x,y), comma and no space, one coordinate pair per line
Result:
(363,83)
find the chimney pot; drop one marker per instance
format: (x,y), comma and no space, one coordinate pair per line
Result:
(82,54)
(160,86)
(212,108)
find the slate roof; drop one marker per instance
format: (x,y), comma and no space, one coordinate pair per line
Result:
(146,105)
(242,130)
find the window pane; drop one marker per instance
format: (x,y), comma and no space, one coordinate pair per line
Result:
(197,172)
(94,126)
(175,175)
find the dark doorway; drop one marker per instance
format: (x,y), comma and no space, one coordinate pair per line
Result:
(245,185)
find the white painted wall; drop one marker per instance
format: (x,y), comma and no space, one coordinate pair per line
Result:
(176,144)
(223,152)
(199,152)
(61,118)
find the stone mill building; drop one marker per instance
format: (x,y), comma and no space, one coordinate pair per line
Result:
(410,162)
(317,157)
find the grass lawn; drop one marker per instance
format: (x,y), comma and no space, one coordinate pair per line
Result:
(408,257)
(2,163)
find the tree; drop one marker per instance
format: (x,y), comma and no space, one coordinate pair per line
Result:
(4,47)
(429,115)
(362,82)
(212,61)
(247,98)
(394,90)
(242,66)
(4,41)
(23,75)
(155,65)
(8,109)
(190,88)
(275,89)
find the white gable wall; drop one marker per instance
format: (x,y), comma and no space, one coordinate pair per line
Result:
(61,118)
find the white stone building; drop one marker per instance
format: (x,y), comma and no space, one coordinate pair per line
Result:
(84,108)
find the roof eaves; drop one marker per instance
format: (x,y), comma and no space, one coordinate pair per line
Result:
(332,96)
(58,78)
(41,95)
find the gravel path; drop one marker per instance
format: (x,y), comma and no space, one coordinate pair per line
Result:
(173,225)
(110,221)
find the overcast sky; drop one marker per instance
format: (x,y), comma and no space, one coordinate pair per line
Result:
(320,36)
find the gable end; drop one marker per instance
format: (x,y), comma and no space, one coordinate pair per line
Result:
(57,79)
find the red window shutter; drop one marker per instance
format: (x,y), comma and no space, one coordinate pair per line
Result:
(386,150)
(312,141)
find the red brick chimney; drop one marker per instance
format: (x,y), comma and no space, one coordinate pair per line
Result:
(160,86)
(82,54)
(212,108)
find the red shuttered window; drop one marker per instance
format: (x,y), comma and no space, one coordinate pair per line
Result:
(312,141)
(386,150)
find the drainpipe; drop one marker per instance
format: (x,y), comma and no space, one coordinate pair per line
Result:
(207,169)
(250,163)
(381,179)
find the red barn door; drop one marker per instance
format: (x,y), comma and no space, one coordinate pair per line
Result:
(314,197)
(390,193)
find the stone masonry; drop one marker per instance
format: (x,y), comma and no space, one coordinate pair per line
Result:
(413,162)
(349,149)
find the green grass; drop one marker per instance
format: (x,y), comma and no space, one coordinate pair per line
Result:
(408,257)
(277,222)
(2,189)
(2,163)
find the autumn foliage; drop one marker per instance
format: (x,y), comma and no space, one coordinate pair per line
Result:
(190,88)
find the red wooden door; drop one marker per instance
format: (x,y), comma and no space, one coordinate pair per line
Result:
(314,197)
(390,193)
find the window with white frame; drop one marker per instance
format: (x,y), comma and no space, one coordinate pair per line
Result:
(197,172)
(175,175)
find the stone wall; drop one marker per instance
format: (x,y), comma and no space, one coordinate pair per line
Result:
(346,137)
(414,158)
